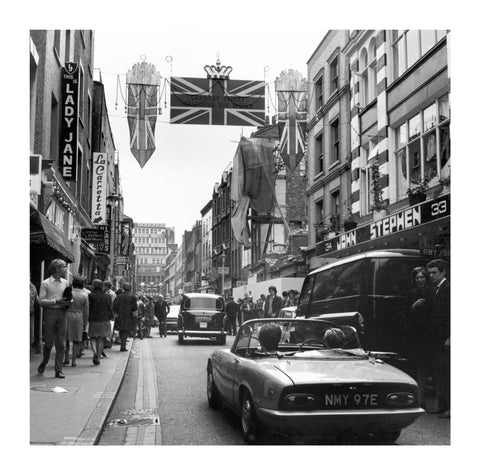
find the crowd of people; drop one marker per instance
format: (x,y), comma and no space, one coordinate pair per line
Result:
(77,315)
(265,307)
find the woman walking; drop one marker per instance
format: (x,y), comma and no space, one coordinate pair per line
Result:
(100,314)
(77,318)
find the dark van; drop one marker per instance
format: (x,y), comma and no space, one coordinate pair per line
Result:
(374,284)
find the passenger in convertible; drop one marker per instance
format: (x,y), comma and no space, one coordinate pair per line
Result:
(269,337)
(334,338)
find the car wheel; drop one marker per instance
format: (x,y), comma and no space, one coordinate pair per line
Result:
(388,437)
(180,339)
(212,391)
(250,424)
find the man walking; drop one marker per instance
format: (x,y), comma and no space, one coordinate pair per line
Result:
(125,313)
(54,315)
(161,310)
(232,309)
(437,271)
(273,304)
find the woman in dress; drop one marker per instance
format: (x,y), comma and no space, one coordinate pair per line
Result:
(77,317)
(99,318)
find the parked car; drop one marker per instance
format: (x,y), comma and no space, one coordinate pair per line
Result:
(202,315)
(172,318)
(307,387)
(374,284)
(287,312)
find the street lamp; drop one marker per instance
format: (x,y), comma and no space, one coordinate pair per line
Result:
(142,286)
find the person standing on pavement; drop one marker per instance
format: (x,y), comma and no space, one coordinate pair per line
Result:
(77,318)
(161,310)
(33,306)
(54,315)
(232,309)
(107,288)
(100,314)
(285,299)
(273,304)
(259,306)
(149,317)
(125,312)
(246,309)
(437,270)
(140,318)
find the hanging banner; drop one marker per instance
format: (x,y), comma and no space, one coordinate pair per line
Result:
(69,122)
(99,188)
(142,100)
(214,101)
(291,89)
(125,238)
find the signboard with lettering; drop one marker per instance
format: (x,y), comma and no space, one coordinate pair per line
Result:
(99,188)
(405,219)
(93,235)
(224,270)
(69,122)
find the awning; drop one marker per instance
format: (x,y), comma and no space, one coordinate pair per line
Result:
(42,231)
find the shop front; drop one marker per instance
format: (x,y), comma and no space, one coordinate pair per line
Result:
(425,227)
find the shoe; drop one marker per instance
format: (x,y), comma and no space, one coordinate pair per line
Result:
(103,354)
(79,355)
(74,364)
(123,349)
(444,415)
(96,360)
(41,368)
(66,362)
(59,374)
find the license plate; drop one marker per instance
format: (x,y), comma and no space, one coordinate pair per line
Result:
(203,324)
(351,400)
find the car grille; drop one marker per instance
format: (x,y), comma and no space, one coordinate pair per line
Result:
(340,396)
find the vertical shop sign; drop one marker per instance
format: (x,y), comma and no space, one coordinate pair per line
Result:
(125,238)
(69,123)
(99,188)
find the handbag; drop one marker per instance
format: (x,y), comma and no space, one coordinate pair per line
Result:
(85,336)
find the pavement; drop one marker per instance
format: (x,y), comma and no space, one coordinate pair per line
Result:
(80,403)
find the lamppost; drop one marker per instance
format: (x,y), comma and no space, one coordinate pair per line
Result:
(142,286)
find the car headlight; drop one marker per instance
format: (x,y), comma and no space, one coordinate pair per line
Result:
(401,399)
(299,400)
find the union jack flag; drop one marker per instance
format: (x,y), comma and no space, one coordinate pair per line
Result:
(142,116)
(292,121)
(216,101)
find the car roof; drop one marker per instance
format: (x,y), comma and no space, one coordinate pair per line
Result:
(200,295)
(371,254)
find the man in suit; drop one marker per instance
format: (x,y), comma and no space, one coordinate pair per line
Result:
(437,271)
(273,304)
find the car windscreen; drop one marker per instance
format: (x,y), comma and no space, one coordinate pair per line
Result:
(284,335)
(203,303)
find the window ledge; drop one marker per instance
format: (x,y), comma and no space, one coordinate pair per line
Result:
(334,164)
(318,176)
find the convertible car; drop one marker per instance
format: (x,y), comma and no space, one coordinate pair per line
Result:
(309,377)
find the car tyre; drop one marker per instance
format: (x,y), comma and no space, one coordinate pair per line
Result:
(212,392)
(251,429)
(180,339)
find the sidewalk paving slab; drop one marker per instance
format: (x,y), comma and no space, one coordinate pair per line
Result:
(77,416)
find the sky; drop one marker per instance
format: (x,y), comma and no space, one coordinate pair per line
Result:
(179,178)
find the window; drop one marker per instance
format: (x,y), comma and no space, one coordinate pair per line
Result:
(364,89)
(372,71)
(334,75)
(335,210)
(423,146)
(319,149)
(56,42)
(319,91)
(319,212)
(409,45)
(335,141)
(54,128)
(81,93)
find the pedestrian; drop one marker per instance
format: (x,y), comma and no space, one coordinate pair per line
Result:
(273,303)
(149,317)
(293,295)
(125,313)
(55,315)
(418,320)
(99,316)
(247,309)
(77,318)
(33,306)
(161,309)
(232,309)
(107,288)
(260,305)
(285,299)
(140,318)
(437,271)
